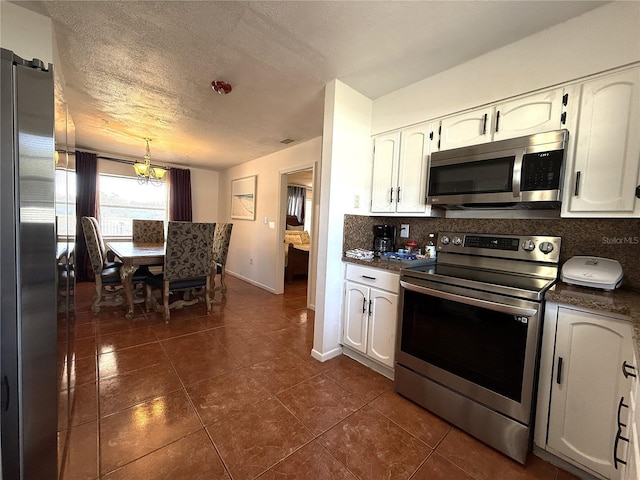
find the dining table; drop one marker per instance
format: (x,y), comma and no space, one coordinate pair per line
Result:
(133,255)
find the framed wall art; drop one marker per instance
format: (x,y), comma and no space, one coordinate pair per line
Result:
(243,198)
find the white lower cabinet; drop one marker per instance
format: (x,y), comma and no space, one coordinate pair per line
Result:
(370,312)
(590,382)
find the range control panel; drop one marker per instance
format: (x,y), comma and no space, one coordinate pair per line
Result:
(518,247)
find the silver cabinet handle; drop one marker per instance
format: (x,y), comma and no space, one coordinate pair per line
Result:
(576,191)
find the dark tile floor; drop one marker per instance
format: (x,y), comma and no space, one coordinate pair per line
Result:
(236,395)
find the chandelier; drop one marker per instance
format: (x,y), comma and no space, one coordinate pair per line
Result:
(146,173)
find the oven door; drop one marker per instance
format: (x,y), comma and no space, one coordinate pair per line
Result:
(481,345)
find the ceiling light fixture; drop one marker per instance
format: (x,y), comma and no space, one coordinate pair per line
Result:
(220,87)
(146,173)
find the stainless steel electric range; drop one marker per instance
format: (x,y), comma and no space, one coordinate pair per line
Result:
(469,333)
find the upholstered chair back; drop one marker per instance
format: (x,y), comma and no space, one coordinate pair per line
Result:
(93,245)
(148,231)
(189,250)
(221,243)
(96,227)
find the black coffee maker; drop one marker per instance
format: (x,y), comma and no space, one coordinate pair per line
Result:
(384,239)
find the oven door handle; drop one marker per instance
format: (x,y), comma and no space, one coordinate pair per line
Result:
(476,302)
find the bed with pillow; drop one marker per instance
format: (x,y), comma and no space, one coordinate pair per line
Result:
(296,251)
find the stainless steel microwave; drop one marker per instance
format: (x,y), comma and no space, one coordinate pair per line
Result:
(523,172)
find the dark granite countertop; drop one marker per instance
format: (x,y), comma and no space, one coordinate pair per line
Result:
(623,301)
(384,263)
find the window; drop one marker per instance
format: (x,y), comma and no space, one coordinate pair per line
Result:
(122,199)
(65,203)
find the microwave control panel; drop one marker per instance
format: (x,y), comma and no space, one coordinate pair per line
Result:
(541,171)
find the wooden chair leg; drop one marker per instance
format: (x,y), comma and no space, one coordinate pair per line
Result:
(207,295)
(147,298)
(165,301)
(224,286)
(95,305)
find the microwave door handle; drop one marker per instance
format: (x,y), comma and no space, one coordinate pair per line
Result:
(475,302)
(517,173)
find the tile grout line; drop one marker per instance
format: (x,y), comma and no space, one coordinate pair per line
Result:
(204,427)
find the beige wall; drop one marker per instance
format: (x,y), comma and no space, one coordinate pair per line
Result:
(255,251)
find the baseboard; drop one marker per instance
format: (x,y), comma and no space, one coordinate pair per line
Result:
(252,282)
(323,357)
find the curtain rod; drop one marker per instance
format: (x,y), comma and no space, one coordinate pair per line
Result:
(129,162)
(112,159)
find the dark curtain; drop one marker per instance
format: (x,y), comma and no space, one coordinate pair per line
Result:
(180,208)
(86,206)
(295,203)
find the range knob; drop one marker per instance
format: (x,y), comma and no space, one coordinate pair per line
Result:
(457,241)
(444,240)
(546,247)
(529,245)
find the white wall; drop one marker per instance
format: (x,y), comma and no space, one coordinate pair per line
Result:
(28,34)
(255,251)
(345,173)
(598,40)
(204,195)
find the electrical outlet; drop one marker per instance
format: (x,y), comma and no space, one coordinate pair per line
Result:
(356,201)
(250,261)
(404,230)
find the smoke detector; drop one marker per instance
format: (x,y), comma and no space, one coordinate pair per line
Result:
(220,87)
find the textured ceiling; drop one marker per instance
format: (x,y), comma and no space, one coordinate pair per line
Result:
(137,69)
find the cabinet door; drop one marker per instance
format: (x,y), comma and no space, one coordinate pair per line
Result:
(382,326)
(606,154)
(412,169)
(587,387)
(385,168)
(356,316)
(525,116)
(469,128)
(632,469)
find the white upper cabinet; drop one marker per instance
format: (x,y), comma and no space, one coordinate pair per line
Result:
(541,112)
(412,169)
(400,166)
(471,128)
(526,115)
(604,156)
(386,150)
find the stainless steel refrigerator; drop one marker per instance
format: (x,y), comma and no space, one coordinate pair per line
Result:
(28,270)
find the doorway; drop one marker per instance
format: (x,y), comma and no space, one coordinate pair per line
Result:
(298,221)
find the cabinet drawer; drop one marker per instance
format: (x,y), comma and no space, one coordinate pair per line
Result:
(374,277)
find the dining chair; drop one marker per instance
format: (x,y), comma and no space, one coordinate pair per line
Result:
(187,267)
(221,240)
(107,277)
(148,231)
(107,257)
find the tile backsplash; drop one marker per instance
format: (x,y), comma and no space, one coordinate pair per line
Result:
(618,239)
